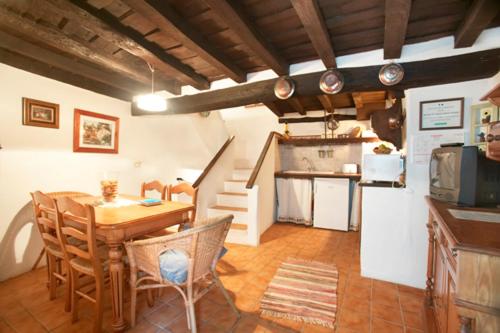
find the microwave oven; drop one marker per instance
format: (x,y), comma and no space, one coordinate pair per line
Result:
(381,167)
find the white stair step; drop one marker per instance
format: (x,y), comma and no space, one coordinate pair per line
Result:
(242,174)
(238,186)
(232,199)
(237,237)
(240,214)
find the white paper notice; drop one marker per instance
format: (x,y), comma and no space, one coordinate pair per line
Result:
(423,144)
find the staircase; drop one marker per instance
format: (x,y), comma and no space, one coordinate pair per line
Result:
(234,200)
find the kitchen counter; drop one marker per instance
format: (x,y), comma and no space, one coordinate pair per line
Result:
(316,174)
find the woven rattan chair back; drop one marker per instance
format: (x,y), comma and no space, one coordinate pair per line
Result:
(155,185)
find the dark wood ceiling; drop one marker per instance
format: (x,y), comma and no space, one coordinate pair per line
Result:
(105,45)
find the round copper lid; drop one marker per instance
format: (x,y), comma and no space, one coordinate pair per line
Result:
(331,82)
(391,74)
(284,87)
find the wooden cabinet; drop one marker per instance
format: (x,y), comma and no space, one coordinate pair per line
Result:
(463,272)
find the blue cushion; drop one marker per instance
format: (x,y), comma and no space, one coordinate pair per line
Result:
(174,266)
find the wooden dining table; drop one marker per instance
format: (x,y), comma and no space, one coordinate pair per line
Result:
(126,220)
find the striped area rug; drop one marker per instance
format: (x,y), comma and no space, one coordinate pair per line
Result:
(304,291)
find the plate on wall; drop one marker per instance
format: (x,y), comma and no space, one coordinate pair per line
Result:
(391,74)
(284,87)
(331,82)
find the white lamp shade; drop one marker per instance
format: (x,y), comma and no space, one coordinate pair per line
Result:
(151,102)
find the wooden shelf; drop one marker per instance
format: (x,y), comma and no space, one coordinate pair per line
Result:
(321,142)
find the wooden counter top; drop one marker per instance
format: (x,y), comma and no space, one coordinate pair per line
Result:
(316,174)
(471,235)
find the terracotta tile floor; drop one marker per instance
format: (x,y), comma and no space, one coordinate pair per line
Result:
(365,305)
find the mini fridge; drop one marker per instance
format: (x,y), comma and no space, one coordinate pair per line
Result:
(331,203)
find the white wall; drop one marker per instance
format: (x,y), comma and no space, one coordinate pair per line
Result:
(35,158)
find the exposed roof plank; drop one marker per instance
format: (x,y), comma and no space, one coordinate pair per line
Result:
(294,102)
(110,28)
(314,24)
(168,20)
(53,59)
(471,66)
(274,108)
(57,39)
(478,17)
(397,14)
(237,21)
(337,117)
(35,66)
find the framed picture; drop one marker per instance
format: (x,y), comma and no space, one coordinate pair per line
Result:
(442,114)
(40,113)
(95,133)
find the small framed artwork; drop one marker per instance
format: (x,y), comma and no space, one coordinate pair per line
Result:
(95,132)
(40,113)
(442,114)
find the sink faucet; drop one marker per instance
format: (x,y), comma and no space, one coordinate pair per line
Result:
(310,166)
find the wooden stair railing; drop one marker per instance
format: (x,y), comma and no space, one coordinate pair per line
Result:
(212,162)
(262,156)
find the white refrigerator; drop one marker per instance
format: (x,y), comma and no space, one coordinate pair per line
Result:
(331,203)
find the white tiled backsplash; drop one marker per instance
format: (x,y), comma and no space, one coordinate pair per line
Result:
(292,157)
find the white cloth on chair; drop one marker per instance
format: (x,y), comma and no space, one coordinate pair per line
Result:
(294,200)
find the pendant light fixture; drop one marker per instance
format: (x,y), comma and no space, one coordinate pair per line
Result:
(152,102)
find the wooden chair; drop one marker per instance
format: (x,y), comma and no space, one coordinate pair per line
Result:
(155,185)
(45,217)
(78,221)
(201,245)
(185,188)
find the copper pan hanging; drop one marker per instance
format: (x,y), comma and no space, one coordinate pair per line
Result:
(331,82)
(391,74)
(284,87)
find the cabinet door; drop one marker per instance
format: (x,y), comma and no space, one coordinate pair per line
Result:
(331,203)
(440,299)
(453,322)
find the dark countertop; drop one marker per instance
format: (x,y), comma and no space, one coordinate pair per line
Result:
(381,184)
(469,235)
(316,174)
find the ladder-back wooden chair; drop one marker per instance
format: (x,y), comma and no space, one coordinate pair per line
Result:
(187,189)
(45,217)
(155,185)
(78,221)
(183,261)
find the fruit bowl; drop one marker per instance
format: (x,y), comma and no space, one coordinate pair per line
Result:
(382,149)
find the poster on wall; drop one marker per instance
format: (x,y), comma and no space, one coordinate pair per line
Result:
(423,144)
(95,132)
(442,114)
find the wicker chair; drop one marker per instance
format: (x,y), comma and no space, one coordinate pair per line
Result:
(88,261)
(45,217)
(202,246)
(155,185)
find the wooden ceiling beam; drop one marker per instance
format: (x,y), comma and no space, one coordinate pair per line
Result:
(171,23)
(274,108)
(477,18)
(19,46)
(35,66)
(465,67)
(337,117)
(294,102)
(10,21)
(326,102)
(397,14)
(110,28)
(236,19)
(314,24)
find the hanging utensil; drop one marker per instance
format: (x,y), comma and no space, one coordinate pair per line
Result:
(284,87)
(331,82)
(391,74)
